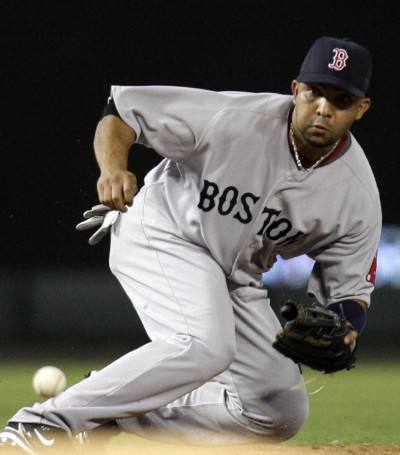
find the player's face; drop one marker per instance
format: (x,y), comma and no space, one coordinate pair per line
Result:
(323,113)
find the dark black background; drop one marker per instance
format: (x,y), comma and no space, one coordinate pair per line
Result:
(59,60)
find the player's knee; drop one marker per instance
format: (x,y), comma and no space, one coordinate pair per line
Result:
(289,425)
(289,419)
(279,417)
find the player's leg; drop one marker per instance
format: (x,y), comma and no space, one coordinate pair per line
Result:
(264,379)
(182,296)
(252,399)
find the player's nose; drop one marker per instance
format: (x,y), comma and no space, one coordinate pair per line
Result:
(324,108)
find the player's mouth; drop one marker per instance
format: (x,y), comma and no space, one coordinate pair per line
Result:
(319,127)
(318,130)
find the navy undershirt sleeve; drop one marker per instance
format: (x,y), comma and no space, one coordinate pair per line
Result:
(352,311)
(110,109)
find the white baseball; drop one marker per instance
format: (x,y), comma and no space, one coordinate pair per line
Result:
(49,381)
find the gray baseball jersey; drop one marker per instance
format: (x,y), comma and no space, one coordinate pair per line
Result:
(232,186)
(211,218)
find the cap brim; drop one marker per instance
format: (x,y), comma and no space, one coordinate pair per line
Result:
(318,78)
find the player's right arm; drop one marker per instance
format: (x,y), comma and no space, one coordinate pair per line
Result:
(170,120)
(116,185)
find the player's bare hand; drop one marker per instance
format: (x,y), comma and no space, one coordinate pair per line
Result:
(351,338)
(116,189)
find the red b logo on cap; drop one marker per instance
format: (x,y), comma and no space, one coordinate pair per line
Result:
(339,59)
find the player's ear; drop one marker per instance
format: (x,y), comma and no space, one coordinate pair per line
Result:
(363,105)
(295,90)
(295,87)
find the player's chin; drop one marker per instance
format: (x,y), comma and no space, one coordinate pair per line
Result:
(318,141)
(320,137)
(318,144)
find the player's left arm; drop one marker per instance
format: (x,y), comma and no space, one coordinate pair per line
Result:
(343,276)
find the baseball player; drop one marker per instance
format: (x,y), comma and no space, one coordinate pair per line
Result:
(245,177)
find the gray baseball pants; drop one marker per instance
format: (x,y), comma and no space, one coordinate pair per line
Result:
(209,374)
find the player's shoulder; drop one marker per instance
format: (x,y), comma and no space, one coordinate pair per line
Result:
(266,103)
(357,164)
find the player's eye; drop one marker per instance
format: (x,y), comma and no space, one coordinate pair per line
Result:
(343,101)
(313,91)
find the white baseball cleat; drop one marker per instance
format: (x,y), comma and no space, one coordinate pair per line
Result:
(35,438)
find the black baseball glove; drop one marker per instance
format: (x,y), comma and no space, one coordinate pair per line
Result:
(314,336)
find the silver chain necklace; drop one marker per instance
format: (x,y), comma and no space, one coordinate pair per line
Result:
(297,157)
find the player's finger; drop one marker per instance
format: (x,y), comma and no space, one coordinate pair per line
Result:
(130,189)
(106,196)
(105,188)
(351,338)
(117,195)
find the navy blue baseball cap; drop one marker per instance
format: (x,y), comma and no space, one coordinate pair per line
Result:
(339,62)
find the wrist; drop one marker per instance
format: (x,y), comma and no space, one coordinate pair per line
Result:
(352,311)
(108,171)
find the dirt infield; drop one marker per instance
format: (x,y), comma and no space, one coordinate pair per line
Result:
(260,449)
(256,449)
(139,446)
(134,445)
(272,450)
